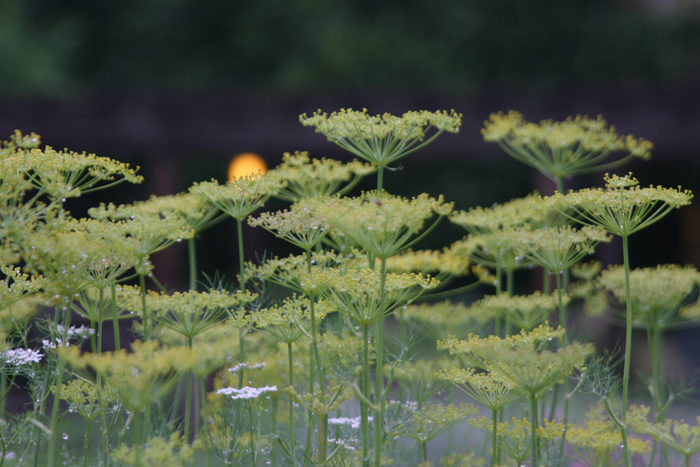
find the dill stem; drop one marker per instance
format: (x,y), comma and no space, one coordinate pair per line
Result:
(364,420)
(192,262)
(290,382)
(241,286)
(628,347)
(379,391)
(115,317)
(533,429)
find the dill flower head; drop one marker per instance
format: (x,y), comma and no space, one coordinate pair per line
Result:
(305,177)
(431,419)
(198,213)
(68,174)
(240,197)
(657,293)
(285,322)
(558,248)
(597,442)
(382,139)
(361,295)
(300,225)
(174,452)
(622,207)
(487,388)
(524,311)
(561,149)
(186,313)
(496,249)
(523,359)
(530,211)
(76,254)
(429,262)
(380,223)
(445,317)
(676,434)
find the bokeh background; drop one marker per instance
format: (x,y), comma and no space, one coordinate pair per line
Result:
(179,87)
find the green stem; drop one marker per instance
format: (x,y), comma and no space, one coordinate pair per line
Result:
(533,429)
(380,178)
(379,378)
(364,416)
(192,262)
(144,309)
(497,331)
(241,287)
(494,438)
(509,291)
(188,398)
(290,382)
(86,444)
(54,416)
(115,317)
(628,346)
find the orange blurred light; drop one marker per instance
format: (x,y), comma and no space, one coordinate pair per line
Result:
(245,164)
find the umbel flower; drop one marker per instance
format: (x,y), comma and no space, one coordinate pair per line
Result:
(380,223)
(622,207)
(524,311)
(382,139)
(658,293)
(300,225)
(561,149)
(240,197)
(518,212)
(305,177)
(363,295)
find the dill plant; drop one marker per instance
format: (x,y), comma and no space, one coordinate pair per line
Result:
(311,348)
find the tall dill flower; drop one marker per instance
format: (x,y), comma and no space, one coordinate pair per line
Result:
(595,443)
(525,360)
(676,434)
(492,391)
(382,139)
(241,197)
(622,208)
(305,177)
(518,212)
(562,149)
(380,223)
(68,174)
(300,225)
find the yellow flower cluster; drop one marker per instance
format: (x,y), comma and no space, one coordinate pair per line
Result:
(560,149)
(240,197)
(382,139)
(305,177)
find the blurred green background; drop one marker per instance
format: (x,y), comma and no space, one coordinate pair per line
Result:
(180,86)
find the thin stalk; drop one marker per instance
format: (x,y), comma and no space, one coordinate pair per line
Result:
(86,443)
(380,178)
(509,291)
(563,341)
(364,416)
(188,397)
(379,379)
(628,347)
(54,415)
(144,309)
(241,286)
(115,317)
(290,382)
(533,429)
(192,262)
(494,438)
(252,435)
(497,331)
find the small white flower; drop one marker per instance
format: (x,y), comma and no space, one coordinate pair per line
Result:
(246,392)
(21,357)
(243,365)
(354,422)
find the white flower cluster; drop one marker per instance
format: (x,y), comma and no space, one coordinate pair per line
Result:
(354,422)
(344,443)
(19,357)
(246,392)
(53,344)
(82,332)
(244,365)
